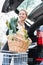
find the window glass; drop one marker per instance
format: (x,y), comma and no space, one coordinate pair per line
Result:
(29,5)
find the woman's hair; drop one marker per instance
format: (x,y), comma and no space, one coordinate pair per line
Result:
(24,11)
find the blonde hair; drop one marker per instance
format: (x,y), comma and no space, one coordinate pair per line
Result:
(24,11)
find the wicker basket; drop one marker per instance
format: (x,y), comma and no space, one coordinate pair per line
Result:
(17,44)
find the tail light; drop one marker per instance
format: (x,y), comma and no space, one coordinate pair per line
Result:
(40,36)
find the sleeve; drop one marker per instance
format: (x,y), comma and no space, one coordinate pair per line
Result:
(30,32)
(7,32)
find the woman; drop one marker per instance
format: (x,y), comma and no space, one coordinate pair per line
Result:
(22,22)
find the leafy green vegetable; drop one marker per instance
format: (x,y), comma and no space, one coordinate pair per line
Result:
(12,25)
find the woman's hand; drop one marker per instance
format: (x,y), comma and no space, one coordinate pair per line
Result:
(30,40)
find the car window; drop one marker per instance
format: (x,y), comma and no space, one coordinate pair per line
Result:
(29,5)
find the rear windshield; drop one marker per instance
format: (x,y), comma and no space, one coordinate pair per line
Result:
(29,5)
